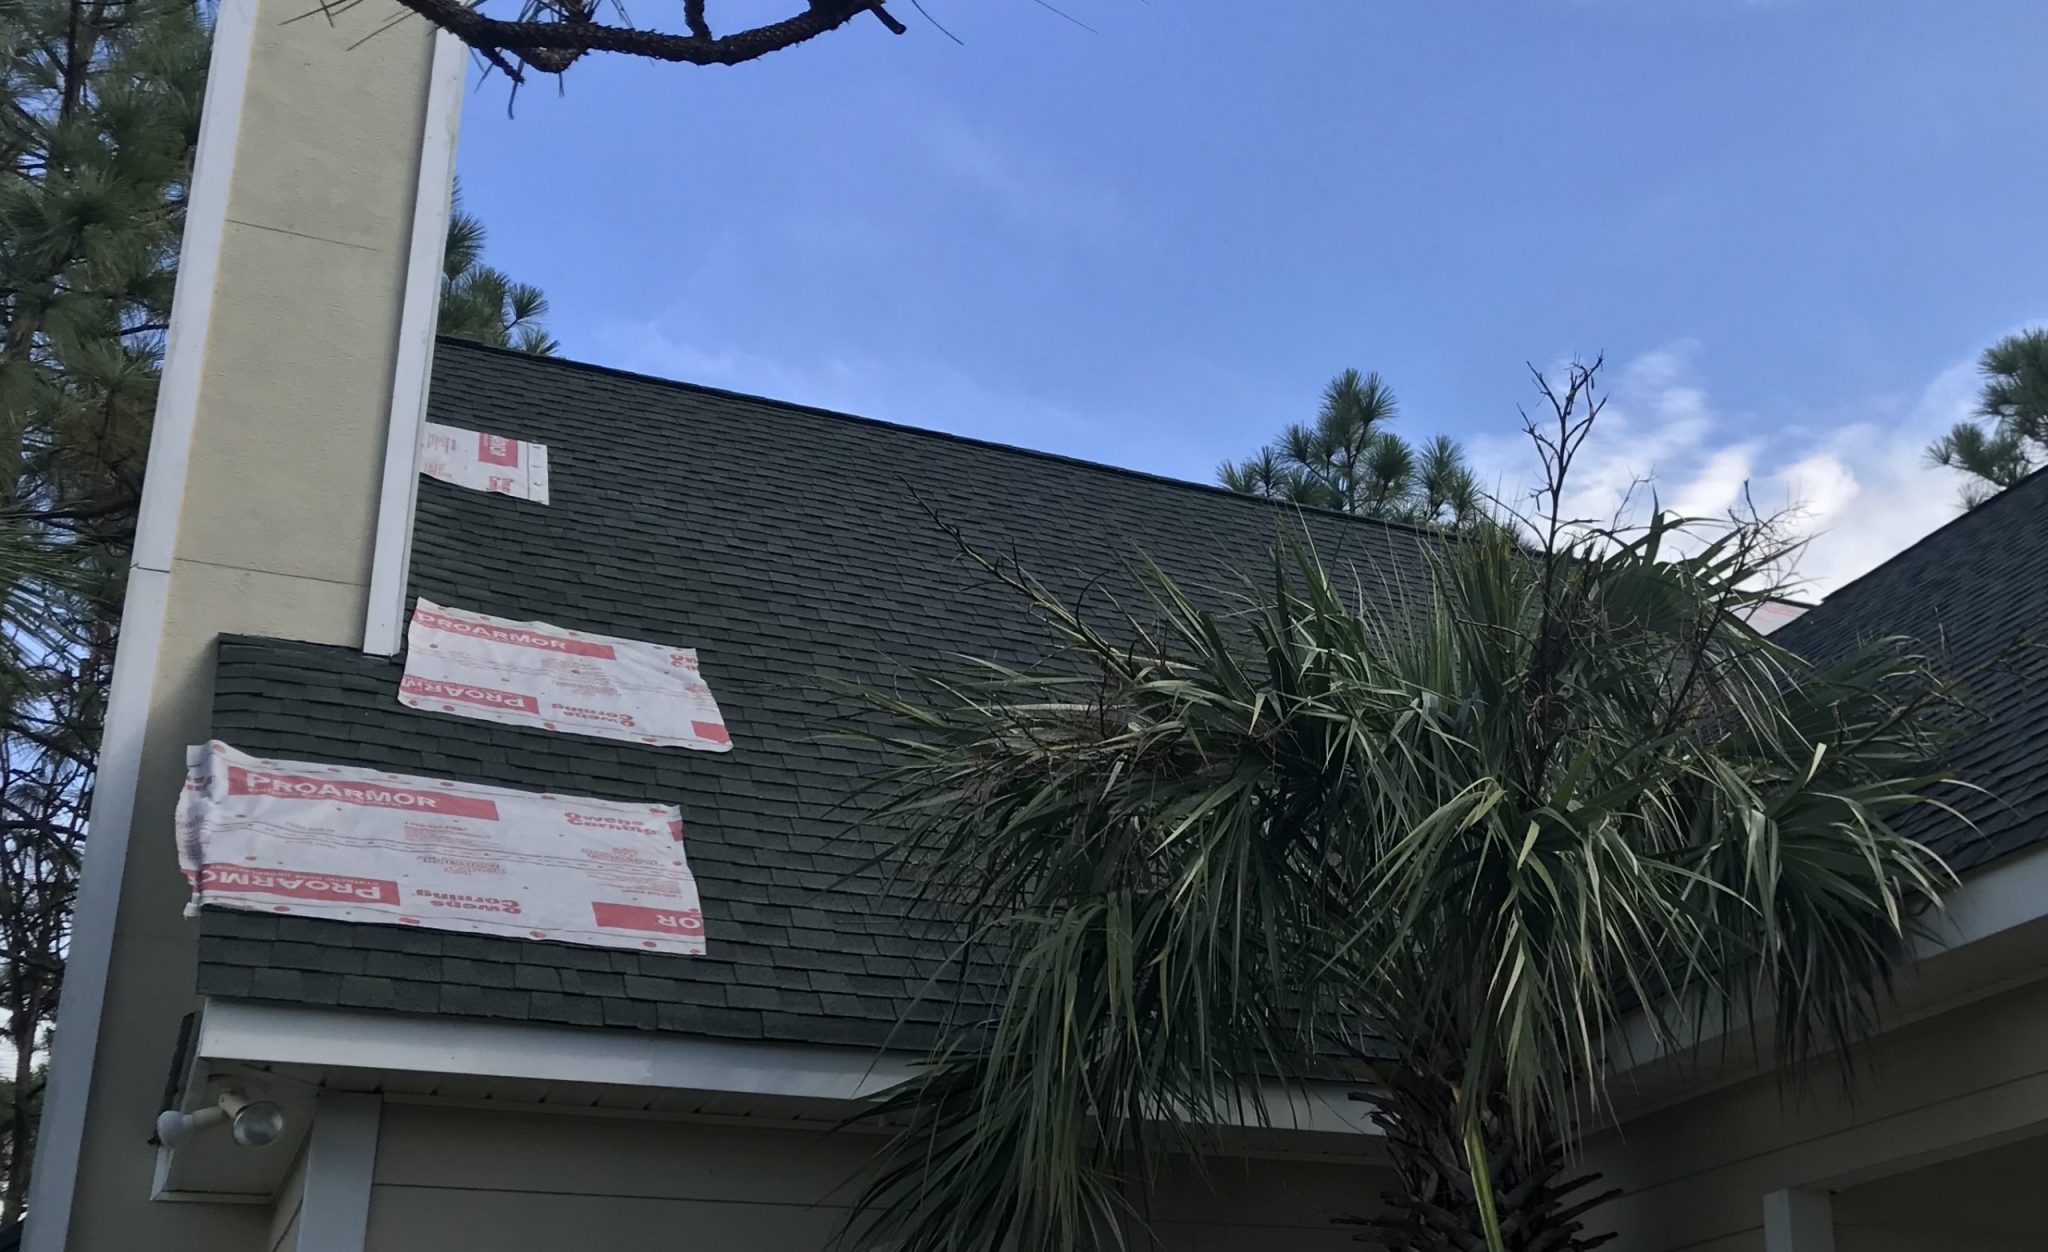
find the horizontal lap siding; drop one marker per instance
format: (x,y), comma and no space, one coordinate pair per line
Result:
(450,1179)
(1695,1175)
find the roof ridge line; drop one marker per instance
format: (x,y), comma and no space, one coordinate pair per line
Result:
(2031,478)
(592,367)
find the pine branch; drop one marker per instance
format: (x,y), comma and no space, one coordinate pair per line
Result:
(551,46)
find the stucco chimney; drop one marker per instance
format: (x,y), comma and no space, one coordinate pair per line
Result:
(277,502)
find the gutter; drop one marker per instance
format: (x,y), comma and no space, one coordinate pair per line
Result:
(274,1034)
(2011,893)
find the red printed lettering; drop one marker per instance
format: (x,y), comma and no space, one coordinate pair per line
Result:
(463,693)
(297,884)
(474,904)
(595,715)
(603,822)
(497,450)
(689,922)
(517,637)
(249,782)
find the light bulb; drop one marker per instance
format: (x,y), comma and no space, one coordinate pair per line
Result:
(251,1123)
(257,1125)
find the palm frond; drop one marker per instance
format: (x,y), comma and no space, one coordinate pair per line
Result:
(1233,840)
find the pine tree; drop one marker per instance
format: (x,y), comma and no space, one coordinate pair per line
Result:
(2014,400)
(99,115)
(482,303)
(101,101)
(1349,459)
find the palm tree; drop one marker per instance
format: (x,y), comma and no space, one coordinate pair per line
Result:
(1349,460)
(2014,399)
(482,303)
(1443,847)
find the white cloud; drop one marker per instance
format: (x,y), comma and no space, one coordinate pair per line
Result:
(1859,491)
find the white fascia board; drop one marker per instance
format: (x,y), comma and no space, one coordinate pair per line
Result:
(2011,893)
(419,314)
(60,1142)
(281,1034)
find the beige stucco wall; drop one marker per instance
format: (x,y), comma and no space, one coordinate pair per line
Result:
(448,1180)
(1931,1090)
(279,508)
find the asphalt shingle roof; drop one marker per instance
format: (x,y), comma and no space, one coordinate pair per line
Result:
(791,547)
(1974,595)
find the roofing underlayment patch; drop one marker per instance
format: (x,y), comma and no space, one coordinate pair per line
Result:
(486,462)
(368,846)
(537,674)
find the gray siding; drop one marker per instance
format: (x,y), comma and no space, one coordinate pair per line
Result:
(449,1180)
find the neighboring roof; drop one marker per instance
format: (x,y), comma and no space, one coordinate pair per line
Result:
(1975,595)
(791,546)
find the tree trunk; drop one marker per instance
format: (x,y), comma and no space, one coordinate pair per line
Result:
(1436,1208)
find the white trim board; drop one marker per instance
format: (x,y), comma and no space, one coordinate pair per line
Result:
(1799,1220)
(341,1166)
(61,1141)
(391,557)
(281,1034)
(2011,893)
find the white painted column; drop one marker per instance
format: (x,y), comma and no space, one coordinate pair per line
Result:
(60,1145)
(391,559)
(319,187)
(1799,1219)
(341,1164)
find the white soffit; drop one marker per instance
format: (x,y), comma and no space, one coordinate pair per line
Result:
(285,1034)
(535,674)
(485,462)
(366,846)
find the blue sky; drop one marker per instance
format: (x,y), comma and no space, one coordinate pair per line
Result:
(1790,225)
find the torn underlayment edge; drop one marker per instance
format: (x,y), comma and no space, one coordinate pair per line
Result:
(485,462)
(541,675)
(365,845)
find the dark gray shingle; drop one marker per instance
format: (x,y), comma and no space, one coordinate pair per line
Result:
(1974,595)
(791,547)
